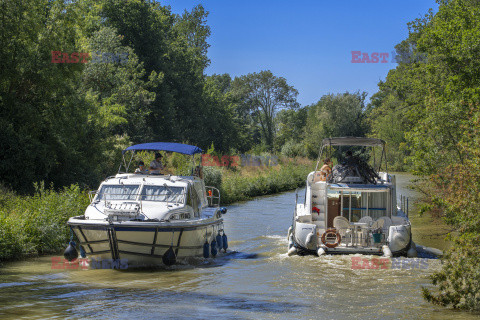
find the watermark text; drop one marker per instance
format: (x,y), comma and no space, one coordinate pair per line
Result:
(85,57)
(362,263)
(60,263)
(241,160)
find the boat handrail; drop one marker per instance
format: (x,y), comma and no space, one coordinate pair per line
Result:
(212,195)
(359,235)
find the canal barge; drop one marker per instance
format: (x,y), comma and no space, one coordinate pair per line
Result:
(146,219)
(352,207)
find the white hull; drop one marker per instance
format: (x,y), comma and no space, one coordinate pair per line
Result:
(141,244)
(398,241)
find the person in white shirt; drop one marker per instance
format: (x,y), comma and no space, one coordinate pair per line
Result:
(156,165)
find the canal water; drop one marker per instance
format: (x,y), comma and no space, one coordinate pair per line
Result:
(257,281)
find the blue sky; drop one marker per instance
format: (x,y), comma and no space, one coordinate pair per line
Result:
(307,42)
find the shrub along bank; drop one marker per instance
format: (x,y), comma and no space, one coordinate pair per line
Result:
(248,182)
(34,225)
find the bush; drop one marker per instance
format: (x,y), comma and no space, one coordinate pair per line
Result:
(32,225)
(241,186)
(459,280)
(292,149)
(212,177)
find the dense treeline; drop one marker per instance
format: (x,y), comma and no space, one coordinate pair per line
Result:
(428,110)
(65,117)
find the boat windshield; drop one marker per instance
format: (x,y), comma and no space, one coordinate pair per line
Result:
(118,192)
(163,193)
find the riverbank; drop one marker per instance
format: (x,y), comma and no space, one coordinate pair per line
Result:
(430,232)
(426,230)
(244,183)
(36,225)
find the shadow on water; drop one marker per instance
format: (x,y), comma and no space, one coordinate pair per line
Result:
(196,263)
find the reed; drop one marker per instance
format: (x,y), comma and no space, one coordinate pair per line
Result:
(35,225)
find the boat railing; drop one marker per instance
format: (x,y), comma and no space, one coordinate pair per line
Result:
(213,196)
(296,201)
(404,204)
(92,194)
(359,236)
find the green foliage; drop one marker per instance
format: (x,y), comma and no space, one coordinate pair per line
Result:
(337,115)
(260,96)
(290,126)
(237,187)
(429,112)
(213,177)
(32,225)
(459,280)
(45,123)
(180,164)
(292,149)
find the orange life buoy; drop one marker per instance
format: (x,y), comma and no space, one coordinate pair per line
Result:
(331,231)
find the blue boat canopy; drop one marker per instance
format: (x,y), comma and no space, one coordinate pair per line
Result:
(165,146)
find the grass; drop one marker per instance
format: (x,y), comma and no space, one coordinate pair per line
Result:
(36,225)
(430,231)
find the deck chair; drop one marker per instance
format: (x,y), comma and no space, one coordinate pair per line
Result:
(366,219)
(386,225)
(342,225)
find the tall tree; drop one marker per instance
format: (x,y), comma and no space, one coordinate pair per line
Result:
(335,115)
(290,126)
(44,121)
(263,95)
(437,101)
(172,47)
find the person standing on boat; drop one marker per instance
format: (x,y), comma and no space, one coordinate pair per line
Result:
(156,165)
(141,168)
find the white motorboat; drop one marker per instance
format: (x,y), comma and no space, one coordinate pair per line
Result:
(353,209)
(152,220)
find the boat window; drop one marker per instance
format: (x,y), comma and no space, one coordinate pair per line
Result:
(163,194)
(356,205)
(352,206)
(377,205)
(118,192)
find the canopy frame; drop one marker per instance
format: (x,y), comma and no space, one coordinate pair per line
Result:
(156,147)
(328,143)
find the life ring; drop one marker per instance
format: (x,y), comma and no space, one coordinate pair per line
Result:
(334,232)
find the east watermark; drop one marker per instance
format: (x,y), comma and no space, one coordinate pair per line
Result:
(86,57)
(244,160)
(60,263)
